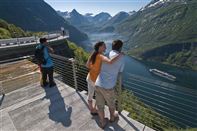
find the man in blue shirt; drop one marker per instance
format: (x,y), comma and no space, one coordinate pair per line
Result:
(106,82)
(46,69)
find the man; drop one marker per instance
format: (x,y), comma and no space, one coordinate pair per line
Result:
(106,82)
(47,68)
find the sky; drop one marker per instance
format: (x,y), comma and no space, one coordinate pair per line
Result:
(97,6)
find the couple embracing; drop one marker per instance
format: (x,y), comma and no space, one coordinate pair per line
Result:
(102,79)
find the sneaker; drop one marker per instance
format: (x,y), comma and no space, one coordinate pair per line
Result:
(52,85)
(44,85)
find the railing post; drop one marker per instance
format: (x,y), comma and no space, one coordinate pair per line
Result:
(74,72)
(36,39)
(1,93)
(119,93)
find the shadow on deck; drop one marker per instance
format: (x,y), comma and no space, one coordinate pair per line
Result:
(58,108)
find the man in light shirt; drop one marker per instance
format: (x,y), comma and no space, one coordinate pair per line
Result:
(106,82)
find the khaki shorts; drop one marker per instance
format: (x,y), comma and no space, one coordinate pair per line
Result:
(103,95)
(91,88)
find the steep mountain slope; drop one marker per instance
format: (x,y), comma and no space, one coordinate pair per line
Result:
(87,23)
(110,25)
(161,30)
(76,19)
(63,14)
(101,18)
(36,15)
(166,23)
(9,30)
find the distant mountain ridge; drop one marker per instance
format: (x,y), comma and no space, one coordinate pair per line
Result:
(77,19)
(161,23)
(101,18)
(102,22)
(111,24)
(36,15)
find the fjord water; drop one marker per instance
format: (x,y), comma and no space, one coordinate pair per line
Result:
(185,77)
(169,100)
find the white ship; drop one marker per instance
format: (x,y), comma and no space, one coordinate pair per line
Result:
(163,74)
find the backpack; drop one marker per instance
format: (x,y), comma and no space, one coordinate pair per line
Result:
(39,56)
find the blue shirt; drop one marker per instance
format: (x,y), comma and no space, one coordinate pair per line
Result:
(47,57)
(109,72)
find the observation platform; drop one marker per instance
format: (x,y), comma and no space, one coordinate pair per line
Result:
(31,107)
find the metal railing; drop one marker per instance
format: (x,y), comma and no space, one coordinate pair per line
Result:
(177,104)
(32,39)
(157,104)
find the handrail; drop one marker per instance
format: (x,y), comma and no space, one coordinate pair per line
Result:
(32,39)
(145,92)
(152,103)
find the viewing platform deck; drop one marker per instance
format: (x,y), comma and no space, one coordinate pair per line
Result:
(60,108)
(27,106)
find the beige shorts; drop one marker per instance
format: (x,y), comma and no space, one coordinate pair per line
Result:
(91,88)
(103,95)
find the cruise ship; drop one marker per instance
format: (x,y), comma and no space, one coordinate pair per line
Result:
(163,74)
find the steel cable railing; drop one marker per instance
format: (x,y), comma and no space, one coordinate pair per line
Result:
(178,105)
(161,84)
(63,67)
(33,39)
(164,110)
(157,104)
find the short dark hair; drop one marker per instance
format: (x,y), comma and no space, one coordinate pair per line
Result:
(42,40)
(117,45)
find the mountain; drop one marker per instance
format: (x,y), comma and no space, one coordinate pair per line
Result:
(63,14)
(110,25)
(101,18)
(169,22)
(86,23)
(76,19)
(160,23)
(89,17)
(36,15)
(10,30)
(132,12)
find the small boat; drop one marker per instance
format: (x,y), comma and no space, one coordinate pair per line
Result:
(163,74)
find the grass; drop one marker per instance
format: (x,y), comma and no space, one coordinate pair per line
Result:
(145,114)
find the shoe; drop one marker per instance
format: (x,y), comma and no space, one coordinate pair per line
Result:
(52,85)
(94,113)
(105,123)
(44,85)
(116,118)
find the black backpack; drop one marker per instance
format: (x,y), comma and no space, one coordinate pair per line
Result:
(39,56)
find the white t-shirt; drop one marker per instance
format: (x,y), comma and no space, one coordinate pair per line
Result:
(109,72)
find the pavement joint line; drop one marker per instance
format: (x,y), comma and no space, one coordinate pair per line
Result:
(11,121)
(24,102)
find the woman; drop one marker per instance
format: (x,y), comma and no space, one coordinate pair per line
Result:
(94,64)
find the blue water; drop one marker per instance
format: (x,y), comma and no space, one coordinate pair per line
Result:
(176,100)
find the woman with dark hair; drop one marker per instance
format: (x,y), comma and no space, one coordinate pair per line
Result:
(94,64)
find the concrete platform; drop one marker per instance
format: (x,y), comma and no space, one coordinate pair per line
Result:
(33,108)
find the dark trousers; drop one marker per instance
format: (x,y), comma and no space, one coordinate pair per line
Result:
(47,71)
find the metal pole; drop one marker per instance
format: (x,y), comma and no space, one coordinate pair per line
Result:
(2,95)
(36,39)
(74,72)
(119,99)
